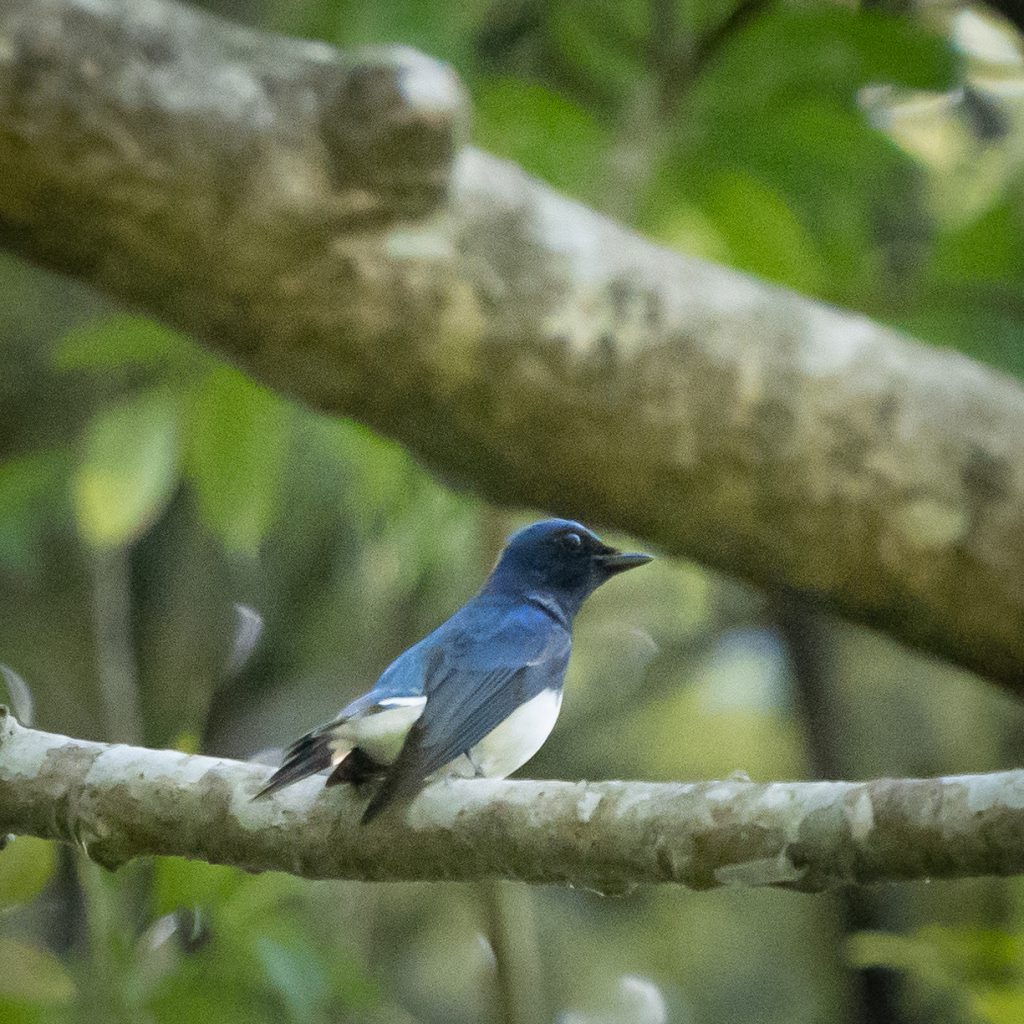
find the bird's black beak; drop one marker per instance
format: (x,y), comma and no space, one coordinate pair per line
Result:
(613,561)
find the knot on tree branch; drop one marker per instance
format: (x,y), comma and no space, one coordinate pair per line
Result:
(392,126)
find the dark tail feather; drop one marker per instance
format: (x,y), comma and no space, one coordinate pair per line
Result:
(307,756)
(394,789)
(358,768)
(386,793)
(403,779)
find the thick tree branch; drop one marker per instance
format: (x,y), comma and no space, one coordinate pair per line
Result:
(312,216)
(120,802)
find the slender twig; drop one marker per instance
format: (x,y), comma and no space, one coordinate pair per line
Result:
(116,671)
(512,933)
(810,648)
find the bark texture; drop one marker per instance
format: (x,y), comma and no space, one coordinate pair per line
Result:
(317,219)
(119,802)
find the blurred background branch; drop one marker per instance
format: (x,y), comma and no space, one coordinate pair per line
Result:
(316,218)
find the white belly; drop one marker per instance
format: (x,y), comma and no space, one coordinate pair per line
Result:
(513,742)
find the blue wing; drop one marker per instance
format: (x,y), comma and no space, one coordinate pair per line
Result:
(483,663)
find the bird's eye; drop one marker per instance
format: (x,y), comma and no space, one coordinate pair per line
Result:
(572,540)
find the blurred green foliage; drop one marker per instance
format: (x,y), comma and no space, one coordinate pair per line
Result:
(25,870)
(966,973)
(149,488)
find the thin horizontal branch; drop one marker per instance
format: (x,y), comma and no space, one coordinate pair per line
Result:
(316,218)
(120,802)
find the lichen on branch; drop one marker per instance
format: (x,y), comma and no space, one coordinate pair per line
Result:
(118,802)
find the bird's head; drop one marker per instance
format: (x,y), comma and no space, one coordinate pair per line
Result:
(560,559)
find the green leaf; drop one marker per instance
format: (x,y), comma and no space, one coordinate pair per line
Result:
(239,439)
(12,1012)
(547,134)
(978,325)
(443,30)
(25,867)
(129,470)
(32,975)
(601,42)
(1003,1004)
(27,500)
(119,341)
(191,883)
(296,974)
(763,233)
(791,53)
(986,250)
(779,104)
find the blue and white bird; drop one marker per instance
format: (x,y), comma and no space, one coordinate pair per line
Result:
(479,695)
